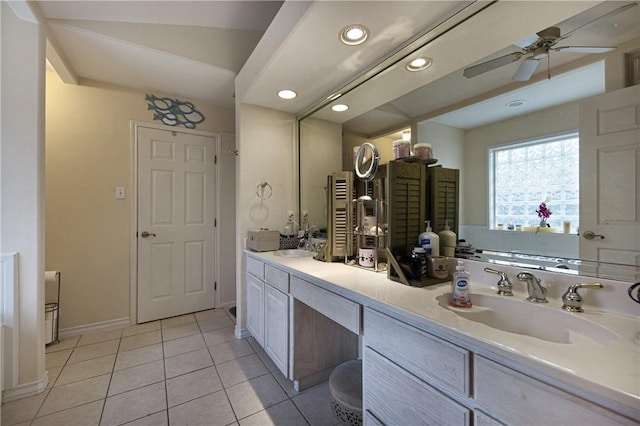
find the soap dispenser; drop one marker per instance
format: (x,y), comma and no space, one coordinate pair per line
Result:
(447,241)
(429,241)
(460,288)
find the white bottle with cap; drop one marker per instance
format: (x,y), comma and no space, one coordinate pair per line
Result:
(429,241)
(447,241)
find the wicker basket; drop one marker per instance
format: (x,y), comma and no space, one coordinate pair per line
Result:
(288,242)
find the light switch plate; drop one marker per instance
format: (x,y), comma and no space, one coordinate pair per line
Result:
(120,195)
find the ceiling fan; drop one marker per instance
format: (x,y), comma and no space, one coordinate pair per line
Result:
(540,46)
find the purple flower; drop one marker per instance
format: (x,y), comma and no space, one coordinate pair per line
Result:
(543,211)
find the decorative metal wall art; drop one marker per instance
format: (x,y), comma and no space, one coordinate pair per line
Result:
(174,112)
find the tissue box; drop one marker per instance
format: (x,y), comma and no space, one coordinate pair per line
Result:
(263,240)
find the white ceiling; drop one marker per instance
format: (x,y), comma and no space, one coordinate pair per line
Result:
(196,49)
(189,49)
(466,103)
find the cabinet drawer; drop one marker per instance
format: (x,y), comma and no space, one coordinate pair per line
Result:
(339,309)
(396,397)
(424,355)
(255,267)
(516,398)
(277,278)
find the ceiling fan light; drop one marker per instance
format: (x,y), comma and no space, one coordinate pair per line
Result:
(419,64)
(516,103)
(353,35)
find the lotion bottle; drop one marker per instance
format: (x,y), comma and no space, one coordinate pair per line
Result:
(429,241)
(447,241)
(460,288)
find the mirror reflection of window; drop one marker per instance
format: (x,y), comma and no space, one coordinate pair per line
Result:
(525,174)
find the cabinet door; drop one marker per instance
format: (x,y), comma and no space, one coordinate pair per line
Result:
(396,397)
(276,333)
(255,308)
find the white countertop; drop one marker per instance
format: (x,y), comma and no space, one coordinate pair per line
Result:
(606,373)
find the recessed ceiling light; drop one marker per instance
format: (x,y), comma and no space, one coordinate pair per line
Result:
(516,103)
(353,35)
(340,107)
(287,94)
(419,64)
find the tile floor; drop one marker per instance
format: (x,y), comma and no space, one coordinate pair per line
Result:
(186,370)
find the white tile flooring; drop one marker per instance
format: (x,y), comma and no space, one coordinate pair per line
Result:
(186,370)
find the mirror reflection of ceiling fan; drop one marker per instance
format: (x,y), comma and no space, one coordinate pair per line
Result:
(538,47)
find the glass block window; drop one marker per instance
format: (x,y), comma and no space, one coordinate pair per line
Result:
(525,174)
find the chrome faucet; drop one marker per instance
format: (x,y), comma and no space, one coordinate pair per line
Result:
(537,293)
(505,288)
(571,299)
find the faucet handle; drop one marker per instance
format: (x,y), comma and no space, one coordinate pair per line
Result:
(571,299)
(505,288)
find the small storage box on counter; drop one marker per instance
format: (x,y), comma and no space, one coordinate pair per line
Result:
(263,240)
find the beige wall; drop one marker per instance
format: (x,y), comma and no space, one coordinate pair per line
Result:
(87,229)
(267,141)
(22,193)
(321,147)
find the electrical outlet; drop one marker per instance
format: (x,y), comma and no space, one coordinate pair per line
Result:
(289,215)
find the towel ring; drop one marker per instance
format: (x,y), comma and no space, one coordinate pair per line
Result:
(260,190)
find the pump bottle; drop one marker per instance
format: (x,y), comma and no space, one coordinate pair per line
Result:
(461,288)
(429,241)
(447,241)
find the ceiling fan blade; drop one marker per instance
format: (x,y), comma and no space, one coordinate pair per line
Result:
(584,49)
(491,64)
(526,69)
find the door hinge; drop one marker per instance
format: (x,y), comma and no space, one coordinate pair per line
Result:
(215,285)
(215,222)
(215,159)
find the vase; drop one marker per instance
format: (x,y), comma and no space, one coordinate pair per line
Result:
(543,223)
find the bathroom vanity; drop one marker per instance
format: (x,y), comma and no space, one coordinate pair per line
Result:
(426,363)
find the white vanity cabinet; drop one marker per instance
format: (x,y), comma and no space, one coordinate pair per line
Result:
(413,377)
(516,398)
(268,310)
(408,375)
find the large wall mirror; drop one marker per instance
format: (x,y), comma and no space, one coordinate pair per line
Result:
(463,118)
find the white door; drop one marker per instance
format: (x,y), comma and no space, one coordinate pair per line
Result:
(610,177)
(176,251)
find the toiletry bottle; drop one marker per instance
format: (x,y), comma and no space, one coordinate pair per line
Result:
(420,254)
(430,241)
(447,241)
(460,288)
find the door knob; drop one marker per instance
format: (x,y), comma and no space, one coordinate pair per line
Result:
(590,235)
(145,234)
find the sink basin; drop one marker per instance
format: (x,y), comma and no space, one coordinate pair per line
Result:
(294,253)
(526,318)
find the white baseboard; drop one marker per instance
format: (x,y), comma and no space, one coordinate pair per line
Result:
(241,333)
(26,389)
(97,326)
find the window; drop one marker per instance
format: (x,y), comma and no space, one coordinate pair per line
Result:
(525,174)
